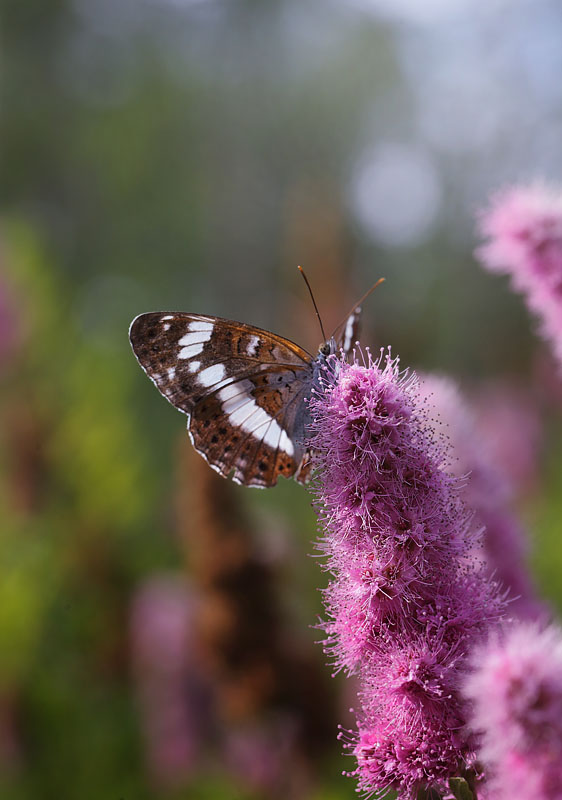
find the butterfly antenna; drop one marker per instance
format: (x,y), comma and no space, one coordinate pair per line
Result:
(302,272)
(357,304)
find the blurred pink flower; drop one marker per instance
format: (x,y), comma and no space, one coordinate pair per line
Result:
(508,419)
(524,230)
(10,322)
(486,490)
(516,694)
(258,754)
(167,681)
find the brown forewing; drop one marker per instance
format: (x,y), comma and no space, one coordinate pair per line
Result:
(269,373)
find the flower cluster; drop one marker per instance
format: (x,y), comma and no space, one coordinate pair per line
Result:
(516,691)
(524,230)
(407,602)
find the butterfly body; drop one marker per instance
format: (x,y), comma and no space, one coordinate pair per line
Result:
(245,390)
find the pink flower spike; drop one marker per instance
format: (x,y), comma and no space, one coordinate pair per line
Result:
(524,230)
(516,693)
(406,601)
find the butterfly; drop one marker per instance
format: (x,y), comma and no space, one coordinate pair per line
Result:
(245,390)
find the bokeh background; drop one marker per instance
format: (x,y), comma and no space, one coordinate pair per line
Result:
(155,623)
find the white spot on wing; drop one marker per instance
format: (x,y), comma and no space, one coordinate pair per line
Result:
(350,330)
(194,366)
(286,444)
(201,326)
(243,412)
(191,350)
(199,337)
(167,326)
(168,316)
(274,435)
(239,416)
(252,346)
(211,375)
(235,395)
(172,373)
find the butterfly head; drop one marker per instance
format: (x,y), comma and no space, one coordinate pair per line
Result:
(328,348)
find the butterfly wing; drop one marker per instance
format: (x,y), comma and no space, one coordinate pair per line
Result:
(350,332)
(242,388)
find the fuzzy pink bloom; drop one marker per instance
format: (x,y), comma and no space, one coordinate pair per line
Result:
(407,601)
(524,229)
(516,691)
(486,490)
